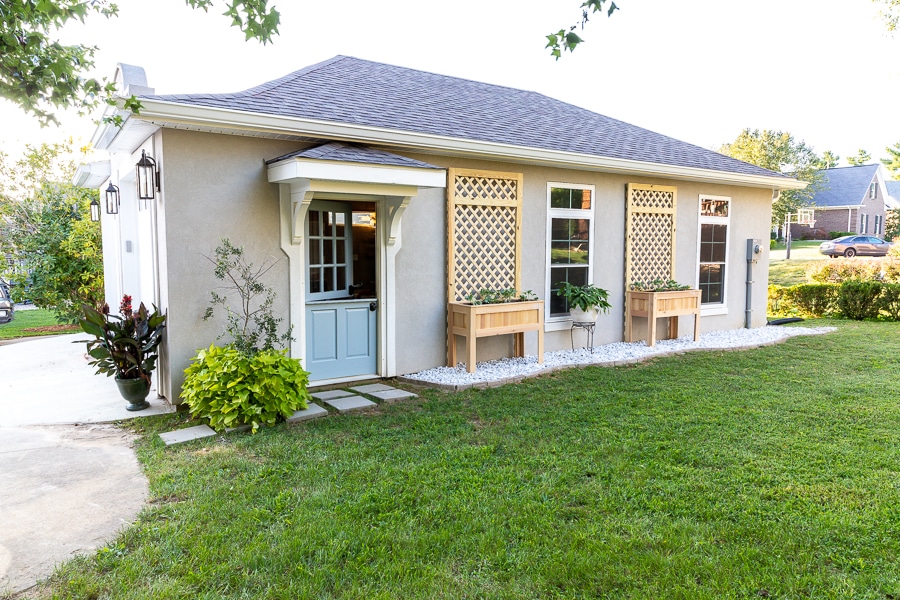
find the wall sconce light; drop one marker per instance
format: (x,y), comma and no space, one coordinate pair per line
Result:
(112,199)
(95,210)
(147,177)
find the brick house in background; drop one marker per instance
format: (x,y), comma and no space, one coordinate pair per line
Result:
(849,199)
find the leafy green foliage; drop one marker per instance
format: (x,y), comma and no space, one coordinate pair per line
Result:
(56,251)
(585,297)
(890,12)
(808,300)
(566,40)
(829,160)
(860,269)
(230,388)
(499,296)
(253,326)
(889,301)
(779,152)
(42,75)
(833,235)
(892,226)
(892,162)
(124,345)
(658,285)
(858,300)
(862,157)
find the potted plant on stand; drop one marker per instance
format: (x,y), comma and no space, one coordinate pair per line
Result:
(125,345)
(586,302)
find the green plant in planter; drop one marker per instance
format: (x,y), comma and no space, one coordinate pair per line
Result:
(500,296)
(658,285)
(584,297)
(124,345)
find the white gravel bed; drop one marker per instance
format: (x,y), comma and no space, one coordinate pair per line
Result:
(505,368)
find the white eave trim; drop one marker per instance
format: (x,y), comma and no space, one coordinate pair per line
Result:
(162,112)
(92,175)
(306,168)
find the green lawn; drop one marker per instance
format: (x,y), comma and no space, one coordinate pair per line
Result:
(768,473)
(804,253)
(30,319)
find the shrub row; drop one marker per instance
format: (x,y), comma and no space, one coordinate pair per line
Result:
(833,235)
(860,269)
(852,299)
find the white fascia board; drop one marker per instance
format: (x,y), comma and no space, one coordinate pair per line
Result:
(172,113)
(305,168)
(834,207)
(92,175)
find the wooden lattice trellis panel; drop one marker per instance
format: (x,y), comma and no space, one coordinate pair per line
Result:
(484,225)
(649,233)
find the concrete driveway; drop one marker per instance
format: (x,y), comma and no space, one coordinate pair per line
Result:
(68,482)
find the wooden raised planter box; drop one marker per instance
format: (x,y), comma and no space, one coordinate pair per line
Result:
(654,305)
(473,321)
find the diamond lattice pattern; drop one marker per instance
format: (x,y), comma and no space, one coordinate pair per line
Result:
(652,199)
(484,240)
(476,187)
(651,247)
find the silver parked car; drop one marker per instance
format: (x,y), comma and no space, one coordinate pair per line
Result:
(852,245)
(7,308)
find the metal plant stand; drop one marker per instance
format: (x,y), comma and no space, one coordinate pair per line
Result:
(588,326)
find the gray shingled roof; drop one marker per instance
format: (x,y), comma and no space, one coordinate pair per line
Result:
(340,151)
(893,188)
(844,186)
(359,92)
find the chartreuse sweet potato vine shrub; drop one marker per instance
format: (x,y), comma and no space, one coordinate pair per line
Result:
(249,380)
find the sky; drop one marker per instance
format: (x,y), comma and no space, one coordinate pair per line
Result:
(697,70)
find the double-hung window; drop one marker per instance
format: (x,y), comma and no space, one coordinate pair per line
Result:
(570,219)
(715,217)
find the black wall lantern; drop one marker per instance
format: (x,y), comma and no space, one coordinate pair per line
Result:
(112,199)
(147,177)
(95,210)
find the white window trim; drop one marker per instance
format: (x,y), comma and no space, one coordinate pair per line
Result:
(718,308)
(560,323)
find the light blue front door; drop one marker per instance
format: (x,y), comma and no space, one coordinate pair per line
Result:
(340,338)
(341,331)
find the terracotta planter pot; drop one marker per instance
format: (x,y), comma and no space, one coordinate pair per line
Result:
(135,391)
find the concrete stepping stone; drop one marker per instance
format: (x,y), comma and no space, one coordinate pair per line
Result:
(392,395)
(186,435)
(313,411)
(372,387)
(331,394)
(350,403)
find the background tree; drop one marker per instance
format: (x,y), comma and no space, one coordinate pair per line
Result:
(42,75)
(890,12)
(54,250)
(892,162)
(892,224)
(829,160)
(862,157)
(779,152)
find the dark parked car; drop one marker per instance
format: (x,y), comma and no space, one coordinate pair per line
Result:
(851,245)
(7,308)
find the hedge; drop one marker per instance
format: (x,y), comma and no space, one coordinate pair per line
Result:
(852,299)
(859,269)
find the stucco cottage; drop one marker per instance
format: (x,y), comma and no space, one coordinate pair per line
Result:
(386,192)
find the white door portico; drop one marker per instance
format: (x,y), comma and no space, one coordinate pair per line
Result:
(348,173)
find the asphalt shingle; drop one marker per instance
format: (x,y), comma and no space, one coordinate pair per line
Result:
(343,152)
(844,186)
(359,92)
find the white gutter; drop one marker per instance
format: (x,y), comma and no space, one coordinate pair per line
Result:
(91,175)
(161,112)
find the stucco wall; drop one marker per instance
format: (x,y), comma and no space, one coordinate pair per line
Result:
(214,187)
(421,337)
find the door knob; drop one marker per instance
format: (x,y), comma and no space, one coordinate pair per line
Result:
(373,305)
